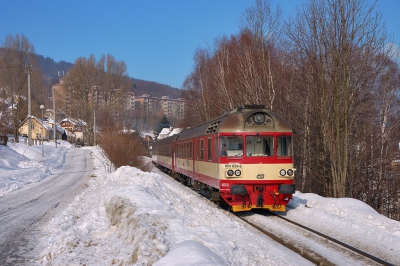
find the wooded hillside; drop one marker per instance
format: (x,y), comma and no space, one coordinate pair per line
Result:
(51,70)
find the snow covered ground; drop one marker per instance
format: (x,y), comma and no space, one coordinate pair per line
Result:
(129,217)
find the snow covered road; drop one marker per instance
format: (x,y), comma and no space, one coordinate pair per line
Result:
(23,210)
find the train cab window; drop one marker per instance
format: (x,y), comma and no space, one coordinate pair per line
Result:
(231,146)
(260,146)
(284,146)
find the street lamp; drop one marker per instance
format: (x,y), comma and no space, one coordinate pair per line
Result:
(42,108)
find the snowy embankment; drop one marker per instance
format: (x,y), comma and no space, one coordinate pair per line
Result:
(22,164)
(133,217)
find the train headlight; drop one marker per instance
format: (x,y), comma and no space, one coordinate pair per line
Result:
(259,118)
(290,172)
(238,172)
(230,172)
(282,172)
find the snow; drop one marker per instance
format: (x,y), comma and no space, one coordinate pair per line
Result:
(168,132)
(129,217)
(21,164)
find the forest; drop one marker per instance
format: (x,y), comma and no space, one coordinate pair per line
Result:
(330,71)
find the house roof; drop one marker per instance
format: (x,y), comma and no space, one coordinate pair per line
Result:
(42,123)
(74,121)
(168,131)
(145,134)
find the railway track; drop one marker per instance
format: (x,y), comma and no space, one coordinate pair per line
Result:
(310,243)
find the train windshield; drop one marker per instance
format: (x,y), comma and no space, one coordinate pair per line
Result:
(259,146)
(231,146)
(284,146)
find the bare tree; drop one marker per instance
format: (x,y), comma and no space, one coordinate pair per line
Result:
(265,24)
(98,85)
(339,40)
(18,57)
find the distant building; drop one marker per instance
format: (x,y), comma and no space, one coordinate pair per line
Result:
(146,109)
(77,127)
(172,108)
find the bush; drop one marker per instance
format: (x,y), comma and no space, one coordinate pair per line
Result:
(125,149)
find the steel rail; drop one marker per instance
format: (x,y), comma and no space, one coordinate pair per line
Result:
(356,250)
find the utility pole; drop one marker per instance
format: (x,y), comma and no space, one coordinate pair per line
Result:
(28,70)
(42,108)
(54,114)
(94,130)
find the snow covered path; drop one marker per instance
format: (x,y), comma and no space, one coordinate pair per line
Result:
(21,211)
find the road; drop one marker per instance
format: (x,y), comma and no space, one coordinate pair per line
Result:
(24,212)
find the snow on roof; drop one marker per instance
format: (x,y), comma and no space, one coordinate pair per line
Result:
(59,129)
(74,121)
(165,131)
(168,131)
(175,131)
(144,134)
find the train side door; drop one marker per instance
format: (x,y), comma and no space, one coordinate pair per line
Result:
(192,152)
(200,157)
(195,157)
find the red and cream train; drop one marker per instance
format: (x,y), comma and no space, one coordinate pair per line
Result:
(243,159)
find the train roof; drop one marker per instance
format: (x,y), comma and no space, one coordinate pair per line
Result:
(250,118)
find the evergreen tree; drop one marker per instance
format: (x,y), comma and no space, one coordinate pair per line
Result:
(163,123)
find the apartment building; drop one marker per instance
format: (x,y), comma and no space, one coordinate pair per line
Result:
(172,108)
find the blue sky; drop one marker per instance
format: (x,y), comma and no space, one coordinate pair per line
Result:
(155,38)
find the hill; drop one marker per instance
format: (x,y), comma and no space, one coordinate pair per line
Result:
(52,71)
(154,89)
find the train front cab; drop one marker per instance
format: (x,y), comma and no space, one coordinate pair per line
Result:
(256,170)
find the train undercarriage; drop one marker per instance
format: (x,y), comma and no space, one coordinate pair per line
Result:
(201,188)
(272,197)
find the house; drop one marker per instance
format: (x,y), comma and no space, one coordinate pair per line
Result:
(60,130)
(147,138)
(76,127)
(40,129)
